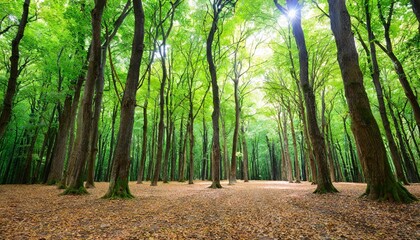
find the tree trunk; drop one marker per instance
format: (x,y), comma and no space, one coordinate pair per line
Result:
(399,69)
(381,184)
(292,129)
(168,147)
(118,187)
(205,154)
(6,110)
(374,68)
(286,160)
(57,165)
(232,176)
(217,7)
(324,184)
(244,155)
(80,150)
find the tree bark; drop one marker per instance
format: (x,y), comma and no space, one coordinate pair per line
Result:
(375,73)
(292,129)
(324,184)
(80,150)
(118,186)
(232,175)
(381,184)
(217,7)
(6,110)
(244,155)
(57,165)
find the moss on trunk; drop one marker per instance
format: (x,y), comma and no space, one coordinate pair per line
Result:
(393,192)
(325,189)
(75,191)
(119,190)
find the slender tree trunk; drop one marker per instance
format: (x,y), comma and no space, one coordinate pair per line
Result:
(324,184)
(244,155)
(225,158)
(169,133)
(286,160)
(374,68)
(217,7)
(118,187)
(205,144)
(292,129)
(381,184)
(232,176)
(409,160)
(191,140)
(6,110)
(398,67)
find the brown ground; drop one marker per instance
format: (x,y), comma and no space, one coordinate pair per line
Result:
(254,210)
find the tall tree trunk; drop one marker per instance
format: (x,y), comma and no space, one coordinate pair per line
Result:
(6,110)
(80,150)
(374,68)
(118,186)
(168,147)
(286,160)
(244,155)
(225,158)
(381,184)
(324,184)
(57,165)
(205,153)
(292,129)
(217,8)
(232,176)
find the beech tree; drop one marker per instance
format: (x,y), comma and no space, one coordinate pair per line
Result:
(77,161)
(324,184)
(381,183)
(118,187)
(218,11)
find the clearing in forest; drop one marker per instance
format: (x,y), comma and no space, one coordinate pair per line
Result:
(254,210)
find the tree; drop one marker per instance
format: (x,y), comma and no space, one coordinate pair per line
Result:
(218,7)
(118,187)
(317,140)
(381,183)
(79,153)
(15,70)
(99,88)
(164,33)
(398,67)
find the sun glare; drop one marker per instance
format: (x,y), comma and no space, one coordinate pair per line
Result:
(291,13)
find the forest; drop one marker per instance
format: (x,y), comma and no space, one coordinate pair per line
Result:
(165,101)
(186,90)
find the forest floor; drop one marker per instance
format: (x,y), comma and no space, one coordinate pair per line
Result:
(254,210)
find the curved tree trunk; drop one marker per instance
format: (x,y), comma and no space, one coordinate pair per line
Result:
(381,183)
(118,186)
(6,110)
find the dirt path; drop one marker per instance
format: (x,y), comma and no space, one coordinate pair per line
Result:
(254,210)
